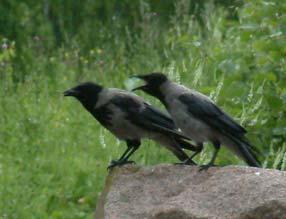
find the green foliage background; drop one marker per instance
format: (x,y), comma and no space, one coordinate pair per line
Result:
(53,155)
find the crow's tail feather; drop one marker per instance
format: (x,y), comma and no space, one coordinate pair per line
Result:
(247,151)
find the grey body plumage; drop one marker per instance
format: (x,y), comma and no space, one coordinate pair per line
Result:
(130,118)
(199,117)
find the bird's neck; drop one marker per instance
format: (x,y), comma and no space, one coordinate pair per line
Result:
(90,103)
(88,106)
(163,91)
(159,93)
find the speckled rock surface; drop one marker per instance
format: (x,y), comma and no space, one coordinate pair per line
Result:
(174,191)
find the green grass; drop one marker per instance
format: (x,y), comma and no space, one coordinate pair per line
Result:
(53,154)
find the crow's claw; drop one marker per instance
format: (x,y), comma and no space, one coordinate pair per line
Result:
(187,162)
(206,167)
(115,163)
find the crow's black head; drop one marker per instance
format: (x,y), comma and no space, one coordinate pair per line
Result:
(86,93)
(153,81)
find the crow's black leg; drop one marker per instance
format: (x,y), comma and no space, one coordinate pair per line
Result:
(129,148)
(216,145)
(132,146)
(135,145)
(114,162)
(190,161)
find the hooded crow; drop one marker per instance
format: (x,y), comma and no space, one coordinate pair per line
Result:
(130,118)
(199,118)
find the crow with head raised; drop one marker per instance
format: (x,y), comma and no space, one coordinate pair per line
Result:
(199,118)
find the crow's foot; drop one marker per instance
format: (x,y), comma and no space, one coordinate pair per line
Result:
(206,167)
(115,163)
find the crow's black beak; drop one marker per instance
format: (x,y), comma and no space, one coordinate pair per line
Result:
(70,92)
(142,77)
(143,87)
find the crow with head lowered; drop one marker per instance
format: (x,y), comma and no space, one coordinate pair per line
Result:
(130,118)
(199,118)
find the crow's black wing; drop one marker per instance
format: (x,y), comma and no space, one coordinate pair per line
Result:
(146,116)
(157,116)
(157,120)
(205,110)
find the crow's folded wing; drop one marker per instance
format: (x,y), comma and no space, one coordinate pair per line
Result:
(209,113)
(146,116)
